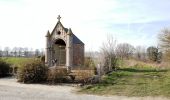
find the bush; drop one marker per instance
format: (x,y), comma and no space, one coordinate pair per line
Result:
(42,58)
(83,76)
(57,75)
(4,68)
(32,72)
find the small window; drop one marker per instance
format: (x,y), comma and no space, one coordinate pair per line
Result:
(58,32)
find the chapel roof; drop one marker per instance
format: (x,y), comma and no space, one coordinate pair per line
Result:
(76,40)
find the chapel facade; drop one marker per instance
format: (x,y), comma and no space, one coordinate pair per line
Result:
(63,48)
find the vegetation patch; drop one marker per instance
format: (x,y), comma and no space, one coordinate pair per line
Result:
(133,81)
(16,61)
(4,68)
(32,72)
(57,75)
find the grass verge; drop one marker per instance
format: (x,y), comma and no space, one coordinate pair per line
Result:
(133,82)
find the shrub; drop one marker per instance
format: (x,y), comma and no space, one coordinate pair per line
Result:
(4,68)
(83,76)
(32,72)
(57,75)
(42,58)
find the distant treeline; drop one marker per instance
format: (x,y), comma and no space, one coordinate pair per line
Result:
(21,52)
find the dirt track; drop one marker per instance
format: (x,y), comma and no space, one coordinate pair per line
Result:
(11,90)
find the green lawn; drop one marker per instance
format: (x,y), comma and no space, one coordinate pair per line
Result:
(17,61)
(133,82)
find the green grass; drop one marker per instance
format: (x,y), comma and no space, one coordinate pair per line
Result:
(133,81)
(17,61)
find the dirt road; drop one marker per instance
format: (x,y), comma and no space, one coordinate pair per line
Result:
(11,90)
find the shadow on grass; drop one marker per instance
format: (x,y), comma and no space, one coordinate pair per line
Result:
(142,70)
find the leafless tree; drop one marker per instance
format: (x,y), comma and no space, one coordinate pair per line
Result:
(164,42)
(14,50)
(6,51)
(108,52)
(31,52)
(20,51)
(42,53)
(140,53)
(124,50)
(1,52)
(25,50)
(37,52)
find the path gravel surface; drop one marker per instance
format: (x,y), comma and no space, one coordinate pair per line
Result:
(12,90)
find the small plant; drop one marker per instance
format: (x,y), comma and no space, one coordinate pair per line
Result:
(32,72)
(4,68)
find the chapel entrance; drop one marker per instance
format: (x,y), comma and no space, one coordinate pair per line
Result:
(60,52)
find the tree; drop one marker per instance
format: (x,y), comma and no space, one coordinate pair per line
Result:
(25,50)
(124,50)
(6,51)
(152,53)
(31,53)
(140,53)
(0,52)
(14,50)
(37,52)
(20,50)
(108,52)
(164,42)
(42,53)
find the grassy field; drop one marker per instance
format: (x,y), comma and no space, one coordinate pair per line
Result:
(17,61)
(133,81)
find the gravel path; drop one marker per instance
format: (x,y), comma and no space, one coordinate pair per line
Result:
(11,90)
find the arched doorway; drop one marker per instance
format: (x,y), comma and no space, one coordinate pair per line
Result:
(60,52)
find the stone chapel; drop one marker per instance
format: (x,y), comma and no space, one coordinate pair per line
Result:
(63,48)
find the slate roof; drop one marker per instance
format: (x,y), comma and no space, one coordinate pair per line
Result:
(76,40)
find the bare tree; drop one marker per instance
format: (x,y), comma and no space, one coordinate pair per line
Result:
(42,52)
(20,51)
(124,50)
(164,42)
(37,52)
(140,53)
(108,52)
(1,52)
(31,52)
(25,50)
(14,50)
(6,51)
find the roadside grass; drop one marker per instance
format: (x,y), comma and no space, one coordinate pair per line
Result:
(133,81)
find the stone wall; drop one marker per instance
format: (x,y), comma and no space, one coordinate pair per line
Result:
(78,54)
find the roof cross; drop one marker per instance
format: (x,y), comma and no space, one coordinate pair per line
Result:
(58,17)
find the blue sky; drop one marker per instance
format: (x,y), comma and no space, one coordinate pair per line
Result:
(24,23)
